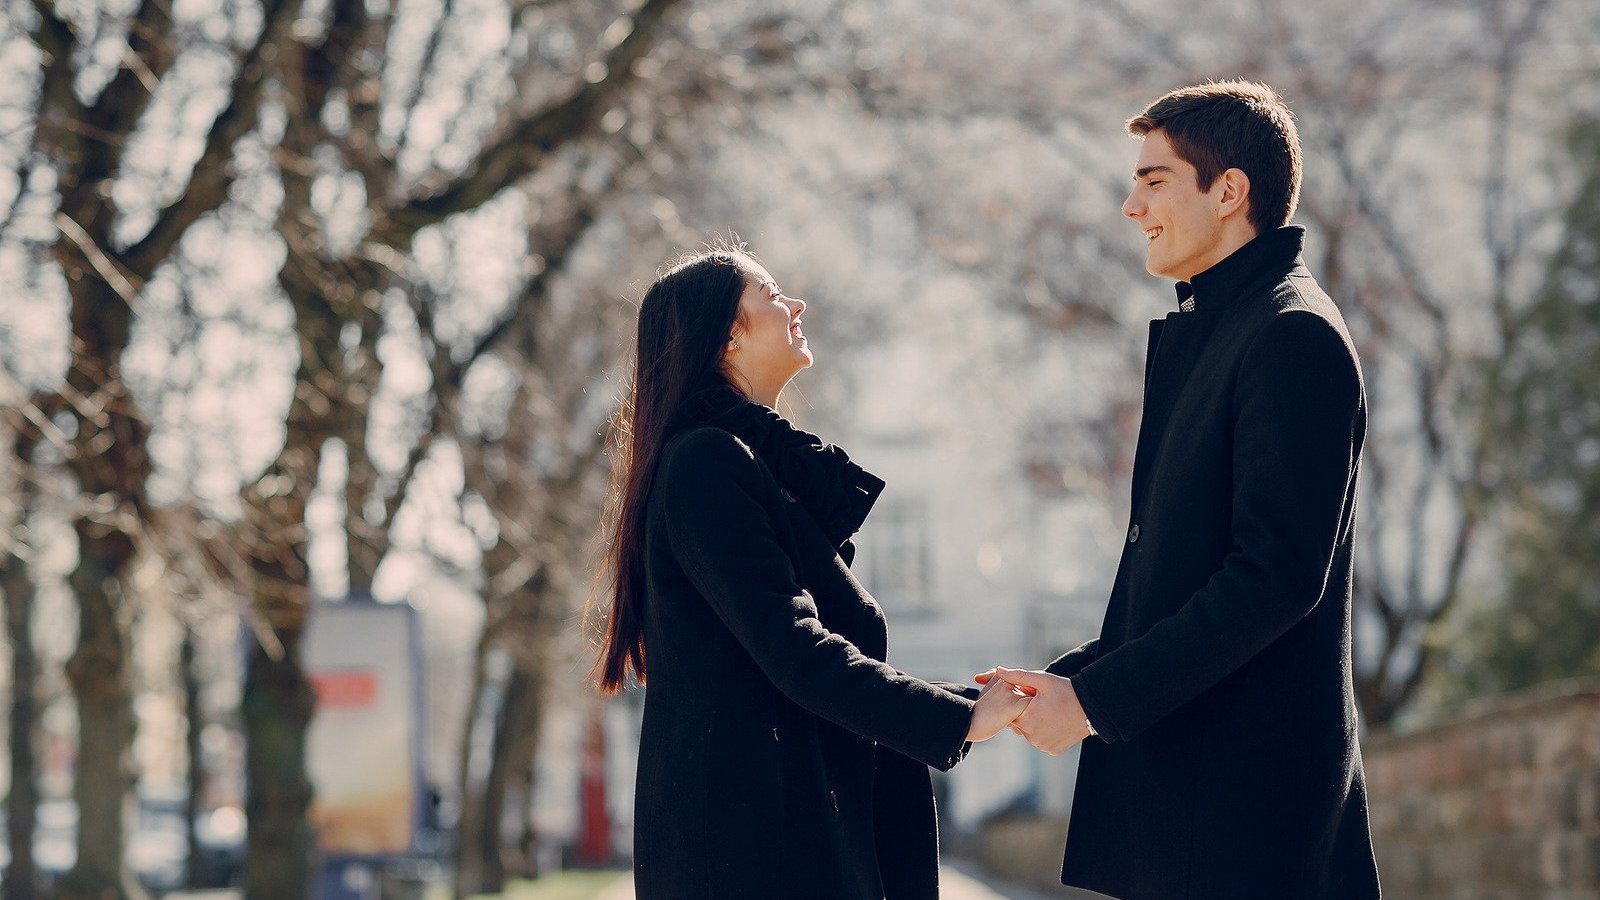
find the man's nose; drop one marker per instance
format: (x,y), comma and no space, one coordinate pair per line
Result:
(1131,207)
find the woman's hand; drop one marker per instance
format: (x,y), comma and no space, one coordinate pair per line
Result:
(998,706)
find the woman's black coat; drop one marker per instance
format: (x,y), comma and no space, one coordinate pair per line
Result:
(780,757)
(1228,766)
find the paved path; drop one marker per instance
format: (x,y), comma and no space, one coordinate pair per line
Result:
(958,882)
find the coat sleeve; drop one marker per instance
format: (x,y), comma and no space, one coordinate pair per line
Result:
(961,690)
(1298,425)
(1072,662)
(722,536)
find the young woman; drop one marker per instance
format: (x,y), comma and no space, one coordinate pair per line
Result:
(781,757)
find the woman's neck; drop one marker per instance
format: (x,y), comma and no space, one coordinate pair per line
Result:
(764,394)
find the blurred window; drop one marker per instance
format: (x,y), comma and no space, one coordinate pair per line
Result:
(896,559)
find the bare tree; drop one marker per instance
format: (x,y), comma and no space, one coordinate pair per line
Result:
(1429,481)
(85,142)
(326,77)
(18,488)
(542,480)
(335,291)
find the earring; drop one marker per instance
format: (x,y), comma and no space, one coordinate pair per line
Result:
(733,344)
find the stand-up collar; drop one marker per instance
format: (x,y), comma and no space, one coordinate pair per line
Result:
(818,475)
(1274,252)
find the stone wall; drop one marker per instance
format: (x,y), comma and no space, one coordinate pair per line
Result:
(1499,803)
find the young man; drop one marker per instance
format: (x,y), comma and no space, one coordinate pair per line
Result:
(1225,764)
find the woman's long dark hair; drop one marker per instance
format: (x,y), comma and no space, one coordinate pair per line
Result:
(684,324)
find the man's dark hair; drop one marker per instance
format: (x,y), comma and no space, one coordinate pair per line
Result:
(1242,125)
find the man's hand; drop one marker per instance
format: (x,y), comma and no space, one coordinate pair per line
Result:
(1054,721)
(998,706)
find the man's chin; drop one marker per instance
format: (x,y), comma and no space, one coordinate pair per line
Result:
(1161,269)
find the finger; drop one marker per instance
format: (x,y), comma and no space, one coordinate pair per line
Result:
(983,677)
(1025,678)
(1021,727)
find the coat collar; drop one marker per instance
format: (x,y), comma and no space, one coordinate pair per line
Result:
(1275,252)
(817,475)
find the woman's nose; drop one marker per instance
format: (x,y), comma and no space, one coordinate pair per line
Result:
(796,306)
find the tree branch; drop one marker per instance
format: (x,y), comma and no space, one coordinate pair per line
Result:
(60,112)
(213,173)
(147,56)
(520,152)
(364,94)
(430,53)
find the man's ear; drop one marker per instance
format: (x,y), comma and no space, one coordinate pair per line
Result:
(1235,193)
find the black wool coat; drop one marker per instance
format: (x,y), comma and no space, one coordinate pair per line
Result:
(781,757)
(1227,766)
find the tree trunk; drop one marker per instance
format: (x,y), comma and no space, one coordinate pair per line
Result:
(21,876)
(98,672)
(111,465)
(531,844)
(278,699)
(516,735)
(365,543)
(523,726)
(277,707)
(490,838)
(194,729)
(487,849)
(470,859)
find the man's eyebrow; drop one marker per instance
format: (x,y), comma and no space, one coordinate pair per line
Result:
(1150,170)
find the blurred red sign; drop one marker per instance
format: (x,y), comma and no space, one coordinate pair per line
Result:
(345,689)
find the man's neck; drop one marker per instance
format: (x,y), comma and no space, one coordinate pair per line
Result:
(1232,239)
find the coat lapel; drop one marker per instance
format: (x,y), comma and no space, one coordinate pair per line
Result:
(1176,344)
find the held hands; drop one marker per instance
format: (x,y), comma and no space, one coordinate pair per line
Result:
(999,704)
(1053,721)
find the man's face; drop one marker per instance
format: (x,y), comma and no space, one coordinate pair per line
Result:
(1182,225)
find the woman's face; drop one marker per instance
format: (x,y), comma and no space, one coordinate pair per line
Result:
(767,348)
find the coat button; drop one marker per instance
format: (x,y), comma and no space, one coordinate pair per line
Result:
(1133,534)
